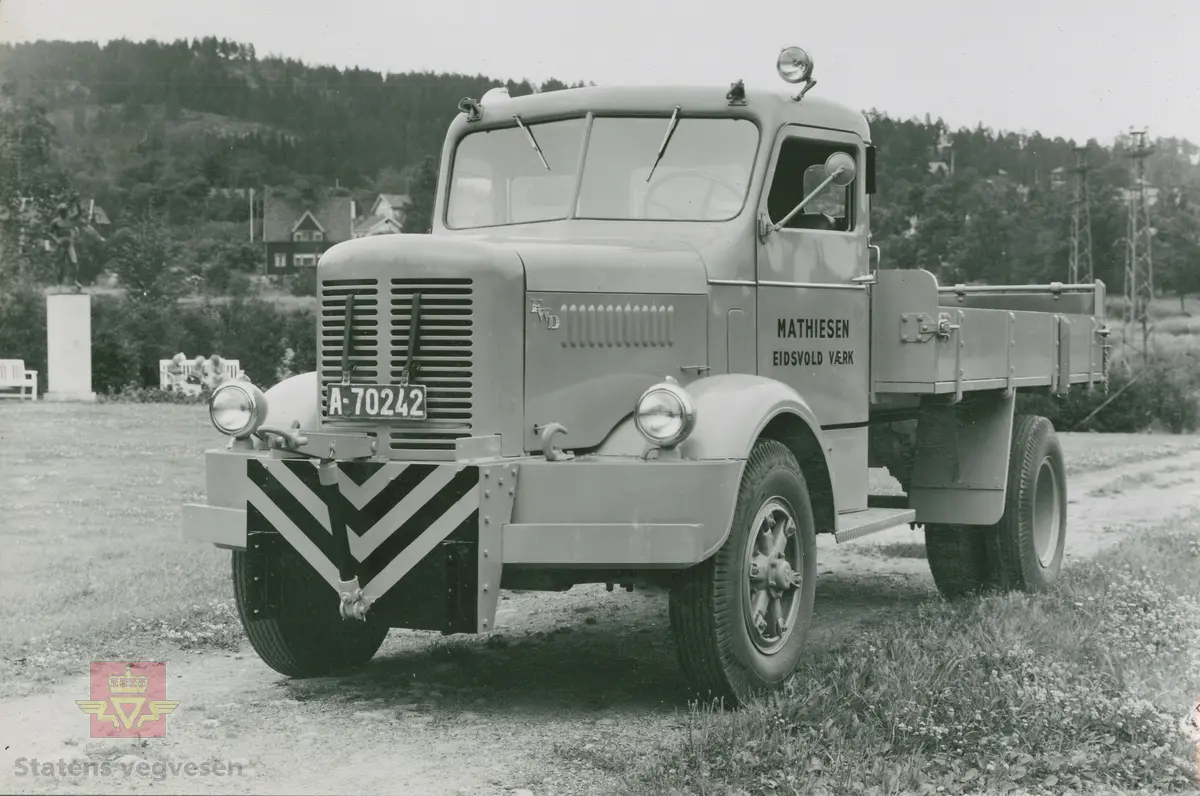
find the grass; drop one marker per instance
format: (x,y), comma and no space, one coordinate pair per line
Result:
(93,562)
(1123,482)
(1084,688)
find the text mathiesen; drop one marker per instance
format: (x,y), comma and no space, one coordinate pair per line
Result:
(813,328)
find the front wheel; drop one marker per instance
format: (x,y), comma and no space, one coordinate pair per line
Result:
(306,636)
(741,618)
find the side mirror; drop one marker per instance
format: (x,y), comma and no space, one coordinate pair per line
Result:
(840,169)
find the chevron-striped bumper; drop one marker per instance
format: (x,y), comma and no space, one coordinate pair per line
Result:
(620,513)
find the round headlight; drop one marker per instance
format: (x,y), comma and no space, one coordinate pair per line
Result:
(237,408)
(794,65)
(665,414)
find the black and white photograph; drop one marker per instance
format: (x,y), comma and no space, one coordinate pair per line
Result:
(629,399)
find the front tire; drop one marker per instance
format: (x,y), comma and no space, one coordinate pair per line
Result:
(308,637)
(741,618)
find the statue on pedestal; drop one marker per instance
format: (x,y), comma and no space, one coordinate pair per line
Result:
(64,231)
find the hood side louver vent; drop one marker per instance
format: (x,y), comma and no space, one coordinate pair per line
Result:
(618,325)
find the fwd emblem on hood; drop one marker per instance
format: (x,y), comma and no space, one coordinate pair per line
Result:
(551,320)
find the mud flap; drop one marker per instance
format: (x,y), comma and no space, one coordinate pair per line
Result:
(262,552)
(960,465)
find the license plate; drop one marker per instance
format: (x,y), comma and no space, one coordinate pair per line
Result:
(377,401)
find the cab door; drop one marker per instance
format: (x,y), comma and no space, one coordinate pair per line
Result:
(813,317)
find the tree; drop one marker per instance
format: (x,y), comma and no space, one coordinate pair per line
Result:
(143,258)
(30,184)
(1177,244)
(422,194)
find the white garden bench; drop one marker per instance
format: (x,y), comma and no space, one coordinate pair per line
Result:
(14,376)
(166,381)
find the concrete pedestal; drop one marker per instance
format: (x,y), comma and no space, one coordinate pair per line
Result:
(69,347)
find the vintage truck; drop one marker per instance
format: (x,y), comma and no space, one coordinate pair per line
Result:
(649,341)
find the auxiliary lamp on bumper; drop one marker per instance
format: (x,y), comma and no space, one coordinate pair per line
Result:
(665,414)
(237,409)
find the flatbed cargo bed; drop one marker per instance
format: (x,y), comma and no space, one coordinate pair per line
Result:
(931,340)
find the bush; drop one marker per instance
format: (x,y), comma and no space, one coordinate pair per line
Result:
(131,393)
(1163,394)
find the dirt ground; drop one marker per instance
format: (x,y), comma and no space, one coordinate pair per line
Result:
(517,712)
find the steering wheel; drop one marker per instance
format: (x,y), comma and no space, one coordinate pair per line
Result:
(713,180)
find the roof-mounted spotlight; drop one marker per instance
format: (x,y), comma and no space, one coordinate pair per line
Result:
(472,108)
(737,93)
(795,65)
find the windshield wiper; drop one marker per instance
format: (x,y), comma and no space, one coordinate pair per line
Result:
(532,141)
(666,140)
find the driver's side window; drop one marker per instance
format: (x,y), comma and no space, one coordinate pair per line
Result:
(799,171)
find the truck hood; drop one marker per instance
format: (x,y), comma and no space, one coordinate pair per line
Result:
(607,265)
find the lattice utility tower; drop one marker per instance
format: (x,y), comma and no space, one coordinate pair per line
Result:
(1139,266)
(1081,223)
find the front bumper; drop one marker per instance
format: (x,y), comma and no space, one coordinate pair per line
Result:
(594,512)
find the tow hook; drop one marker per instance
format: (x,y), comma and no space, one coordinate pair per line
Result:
(353,605)
(547,433)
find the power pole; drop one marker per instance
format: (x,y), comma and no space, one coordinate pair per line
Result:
(1081,223)
(1139,267)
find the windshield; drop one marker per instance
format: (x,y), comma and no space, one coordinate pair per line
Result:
(498,176)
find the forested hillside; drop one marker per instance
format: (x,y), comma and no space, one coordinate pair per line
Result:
(169,128)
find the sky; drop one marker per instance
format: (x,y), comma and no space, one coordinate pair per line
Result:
(1072,68)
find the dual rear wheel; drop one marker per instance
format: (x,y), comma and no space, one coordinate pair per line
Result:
(1024,550)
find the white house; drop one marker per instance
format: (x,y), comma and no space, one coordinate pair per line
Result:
(386,216)
(391,205)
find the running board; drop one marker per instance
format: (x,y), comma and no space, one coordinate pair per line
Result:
(869,521)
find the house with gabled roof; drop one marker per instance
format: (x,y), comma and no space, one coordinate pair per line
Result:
(296,234)
(391,205)
(376,225)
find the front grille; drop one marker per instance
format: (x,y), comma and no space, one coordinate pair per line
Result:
(364,336)
(445,355)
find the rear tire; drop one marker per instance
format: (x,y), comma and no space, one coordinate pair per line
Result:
(957,556)
(741,618)
(1024,550)
(309,638)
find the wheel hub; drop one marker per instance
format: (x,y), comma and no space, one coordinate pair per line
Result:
(1047,525)
(773,577)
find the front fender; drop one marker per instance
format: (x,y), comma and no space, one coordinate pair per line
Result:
(733,409)
(731,412)
(294,398)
